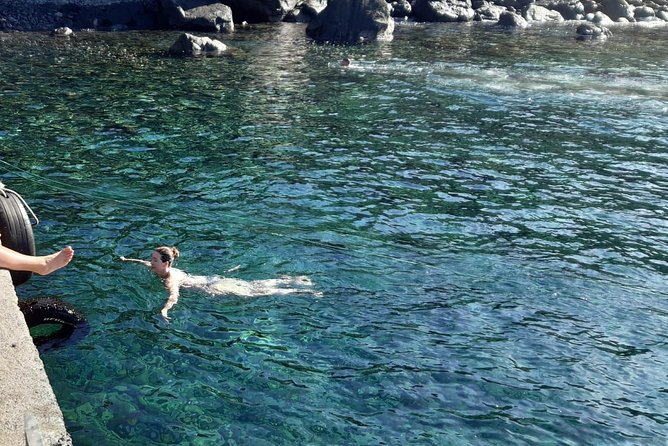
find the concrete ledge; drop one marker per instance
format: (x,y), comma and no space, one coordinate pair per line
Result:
(29,412)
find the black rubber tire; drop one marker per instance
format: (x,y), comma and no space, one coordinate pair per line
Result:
(50,311)
(16,231)
(73,325)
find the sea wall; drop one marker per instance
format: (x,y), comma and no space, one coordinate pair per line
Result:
(47,15)
(29,412)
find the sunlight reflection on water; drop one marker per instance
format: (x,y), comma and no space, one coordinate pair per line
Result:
(484,213)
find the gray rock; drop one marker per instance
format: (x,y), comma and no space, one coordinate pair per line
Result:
(663,15)
(616,9)
(214,17)
(489,11)
(47,15)
(512,19)
(305,11)
(352,21)
(569,9)
(535,13)
(190,45)
(513,5)
(443,10)
(590,6)
(644,14)
(256,11)
(600,19)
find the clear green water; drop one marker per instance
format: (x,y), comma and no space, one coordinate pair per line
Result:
(484,212)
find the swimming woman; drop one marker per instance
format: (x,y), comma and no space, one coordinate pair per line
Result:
(163,258)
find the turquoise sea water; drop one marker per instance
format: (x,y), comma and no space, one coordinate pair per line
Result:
(483,211)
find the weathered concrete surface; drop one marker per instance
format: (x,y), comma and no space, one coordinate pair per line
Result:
(26,397)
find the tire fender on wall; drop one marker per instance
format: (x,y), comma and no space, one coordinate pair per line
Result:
(15,229)
(73,325)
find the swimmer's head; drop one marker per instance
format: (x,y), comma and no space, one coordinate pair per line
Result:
(162,258)
(345,62)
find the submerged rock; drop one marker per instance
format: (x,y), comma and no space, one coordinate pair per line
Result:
(591,31)
(63,32)
(190,45)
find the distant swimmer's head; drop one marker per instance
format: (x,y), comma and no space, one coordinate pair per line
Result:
(162,258)
(345,62)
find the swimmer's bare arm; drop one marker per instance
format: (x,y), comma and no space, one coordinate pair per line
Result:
(172,284)
(143,262)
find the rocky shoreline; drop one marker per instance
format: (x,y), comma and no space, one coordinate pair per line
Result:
(337,20)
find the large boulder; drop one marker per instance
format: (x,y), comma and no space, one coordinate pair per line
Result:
(214,17)
(352,21)
(511,5)
(617,9)
(47,15)
(489,11)
(644,14)
(512,20)
(535,13)
(590,6)
(190,45)
(305,11)
(600,19)
(443,10)
(569,9)
(401,8)
(258,11)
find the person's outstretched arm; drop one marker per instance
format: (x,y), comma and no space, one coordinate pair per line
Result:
(173,288)
(143,262)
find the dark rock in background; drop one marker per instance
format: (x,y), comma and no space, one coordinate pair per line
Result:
(213,17)
(78,14)
(443,10)
(352,21)
(360,20)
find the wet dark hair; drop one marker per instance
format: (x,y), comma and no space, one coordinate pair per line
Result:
(168,254)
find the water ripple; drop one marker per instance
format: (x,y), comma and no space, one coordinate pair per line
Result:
(488,233)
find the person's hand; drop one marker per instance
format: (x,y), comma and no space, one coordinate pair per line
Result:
(122,258)
(163,313)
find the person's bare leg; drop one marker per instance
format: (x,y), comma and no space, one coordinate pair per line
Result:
(42,265)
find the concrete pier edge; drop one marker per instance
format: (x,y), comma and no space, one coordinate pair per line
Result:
(29,412)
